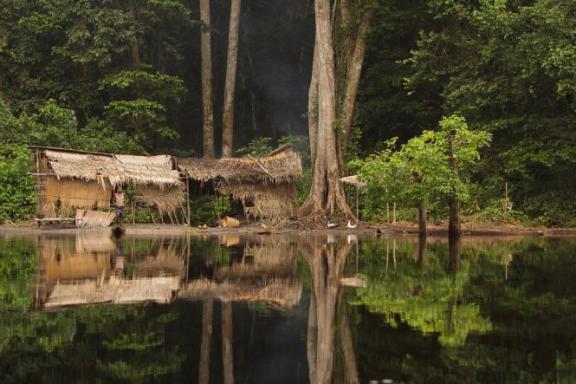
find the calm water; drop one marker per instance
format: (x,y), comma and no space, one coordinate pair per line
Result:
(287,309)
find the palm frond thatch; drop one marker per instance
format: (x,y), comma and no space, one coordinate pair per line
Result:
(281,166)
(117,169)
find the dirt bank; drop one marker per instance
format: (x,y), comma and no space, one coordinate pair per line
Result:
(363,229)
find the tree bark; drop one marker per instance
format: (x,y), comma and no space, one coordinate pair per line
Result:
(230,84)
(454,227)
(227,352)
(204,367)
(422,220)
(207,102)
(326,195)
(313,106)
(355,65)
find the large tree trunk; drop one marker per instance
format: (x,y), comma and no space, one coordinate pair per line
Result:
(204,366)
(313,106)
(207,102)
(454,228)
(230,85)
(355,65)
(326,195)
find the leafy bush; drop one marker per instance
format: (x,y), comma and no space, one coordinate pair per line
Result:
(17,197)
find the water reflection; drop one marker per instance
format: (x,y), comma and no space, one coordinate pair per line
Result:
(313,308)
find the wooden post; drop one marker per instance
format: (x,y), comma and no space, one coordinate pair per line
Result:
(394,214)
(188,200)
(133,213)
(357,207)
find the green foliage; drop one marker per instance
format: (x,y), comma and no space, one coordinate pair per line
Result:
(507,67)
(258,147)
(209,209)
(17,193)
(419,171)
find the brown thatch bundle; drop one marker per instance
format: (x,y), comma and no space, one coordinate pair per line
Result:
(281,166)
(116,169)
(166,201)
(263,201)
(74,193)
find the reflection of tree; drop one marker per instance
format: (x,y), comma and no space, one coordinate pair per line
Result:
(204,367)
(121,342)
(428,296)
(326,262)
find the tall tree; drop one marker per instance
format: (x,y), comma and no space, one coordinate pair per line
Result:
(230,84)
(326,195)
(207,102)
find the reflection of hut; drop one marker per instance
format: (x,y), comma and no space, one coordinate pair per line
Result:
(279,292)
(69,179)
(78,272)
(266,186)
(267,272)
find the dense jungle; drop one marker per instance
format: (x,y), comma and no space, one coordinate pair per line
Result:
(416,87)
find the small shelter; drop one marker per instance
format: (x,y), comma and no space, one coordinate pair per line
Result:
(69,179)
(266,186)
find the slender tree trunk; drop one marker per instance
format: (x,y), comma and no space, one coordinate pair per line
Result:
(313,106)
(326,195)
(422,220)
(207,102)
(227,352)
(355,65)
(133,45)
(230,84)
(454,227)
(204,367)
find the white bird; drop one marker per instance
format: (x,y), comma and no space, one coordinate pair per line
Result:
(331,225)
(350,225)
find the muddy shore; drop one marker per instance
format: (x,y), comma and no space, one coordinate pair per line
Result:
(363,229)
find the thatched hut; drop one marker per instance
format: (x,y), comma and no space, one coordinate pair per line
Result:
(70,179)
(266,186)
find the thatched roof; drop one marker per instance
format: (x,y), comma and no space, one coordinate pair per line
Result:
(117,169)
(281,166)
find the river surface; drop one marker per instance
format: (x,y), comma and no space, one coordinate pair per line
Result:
(287,309)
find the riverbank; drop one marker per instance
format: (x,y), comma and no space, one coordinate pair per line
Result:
(404,229)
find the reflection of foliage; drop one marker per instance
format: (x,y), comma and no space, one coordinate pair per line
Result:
(428,298)
(126,342)
(532,312)
(16,269)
